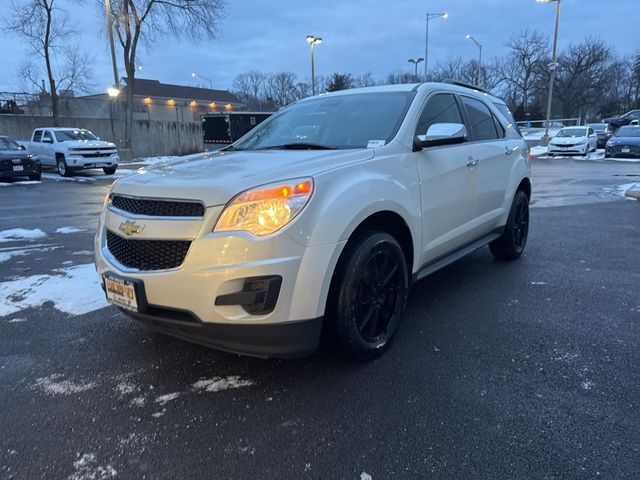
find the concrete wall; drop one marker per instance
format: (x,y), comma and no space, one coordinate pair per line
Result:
(150,138)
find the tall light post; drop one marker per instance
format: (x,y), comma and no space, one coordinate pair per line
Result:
(197,75)
(552,69)
(415,62)
(479,72)
(312,40)
(444,15)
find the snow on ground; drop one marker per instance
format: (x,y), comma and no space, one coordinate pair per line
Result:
(22,182)
(56,385)
(218,384)
(622,189)
(10,252)
(21,234)
(74,290)
(87,468)
(69,230)
(58,178)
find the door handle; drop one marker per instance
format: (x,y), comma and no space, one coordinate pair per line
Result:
(473,162)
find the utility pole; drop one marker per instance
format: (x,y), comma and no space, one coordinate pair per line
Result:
(116,78)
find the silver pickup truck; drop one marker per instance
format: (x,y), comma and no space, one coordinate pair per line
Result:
(72,149)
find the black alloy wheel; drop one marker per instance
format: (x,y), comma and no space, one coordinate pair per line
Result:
(371,294)
(511,244)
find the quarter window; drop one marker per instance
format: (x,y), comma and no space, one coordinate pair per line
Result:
(441,108)
(481,121)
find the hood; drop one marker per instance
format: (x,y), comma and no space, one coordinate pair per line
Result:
(10,154)
(568,140)
(216,177)
(624,141)
(89,144)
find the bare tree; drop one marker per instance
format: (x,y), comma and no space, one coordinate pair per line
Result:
(364,80)
(399,77)
(138,21)
(582,77)
(523,67)
(281,88)
(45,26)
(250,88)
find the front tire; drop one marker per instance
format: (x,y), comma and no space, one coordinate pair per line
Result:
(109,170)
(511,243)
(63,169)
(369,294)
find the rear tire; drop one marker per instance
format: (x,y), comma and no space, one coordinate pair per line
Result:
(109,170)
(513,240)
(63,169)
(368,294)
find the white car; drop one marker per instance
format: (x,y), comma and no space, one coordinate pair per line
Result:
(574,141)
(72,149)
(258,247)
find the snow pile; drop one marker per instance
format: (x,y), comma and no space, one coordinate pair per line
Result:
(21,234)
(169,397)
(218,384)
(74,290)
(24,182)
(539,150)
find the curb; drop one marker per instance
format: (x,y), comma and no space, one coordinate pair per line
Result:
(633,192)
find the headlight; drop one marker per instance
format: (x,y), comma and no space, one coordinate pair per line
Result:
(265,209)
(106,198)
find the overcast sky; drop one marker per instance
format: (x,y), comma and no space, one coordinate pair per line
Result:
(374,36)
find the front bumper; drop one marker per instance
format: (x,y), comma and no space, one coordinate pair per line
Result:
(184,301)
(573,150)
(79,162)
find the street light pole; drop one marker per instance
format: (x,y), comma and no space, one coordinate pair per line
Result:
(116,81)
(415,62)
(426,42)
(194,75)
(552,70)
(313,40)
(479,72)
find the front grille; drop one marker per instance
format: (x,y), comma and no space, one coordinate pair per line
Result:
(147,254)
(157,208)
(96,155)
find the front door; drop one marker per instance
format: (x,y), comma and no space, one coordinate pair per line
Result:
(447,182)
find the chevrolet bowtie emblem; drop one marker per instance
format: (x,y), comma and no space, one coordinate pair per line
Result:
(130,228)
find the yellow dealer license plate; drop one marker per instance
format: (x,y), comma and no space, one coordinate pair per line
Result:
(121,292)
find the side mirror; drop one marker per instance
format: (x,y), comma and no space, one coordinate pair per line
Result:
(22,147)
(440,134)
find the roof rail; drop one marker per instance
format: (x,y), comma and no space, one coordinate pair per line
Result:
(460,83)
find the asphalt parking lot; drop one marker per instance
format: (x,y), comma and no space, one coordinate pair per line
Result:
(524,370)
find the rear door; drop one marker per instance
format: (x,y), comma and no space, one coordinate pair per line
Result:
(35,147)
(495,155)
(447,182)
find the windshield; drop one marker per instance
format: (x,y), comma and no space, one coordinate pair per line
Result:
(628,132)
(572,132)
(8,144)
(71,135)
(344,122)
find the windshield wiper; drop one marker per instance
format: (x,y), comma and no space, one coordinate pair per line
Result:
(299,146)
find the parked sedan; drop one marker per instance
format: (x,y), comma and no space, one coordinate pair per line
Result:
(603,131)
(16,162)
(573,141)
(625,143)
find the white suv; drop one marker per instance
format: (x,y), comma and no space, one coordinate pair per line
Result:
(322,216)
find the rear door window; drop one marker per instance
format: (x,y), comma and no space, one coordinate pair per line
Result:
(481,122)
